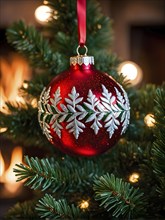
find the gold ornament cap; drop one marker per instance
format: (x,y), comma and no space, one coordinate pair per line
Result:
(82,59)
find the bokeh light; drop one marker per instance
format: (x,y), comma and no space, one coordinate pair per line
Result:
(43,13)
(131,71)
(134,177)
(149,120)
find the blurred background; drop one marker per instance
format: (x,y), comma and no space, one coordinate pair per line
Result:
(139,30)
(139,37)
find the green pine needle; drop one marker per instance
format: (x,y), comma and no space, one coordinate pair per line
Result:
(28,41)
(74,177)
(67,174)
(22,211)
(158,151)
(117,196)
(50,208)
(99,28)
(22,124)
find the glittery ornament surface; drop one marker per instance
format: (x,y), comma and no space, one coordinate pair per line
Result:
(83,111)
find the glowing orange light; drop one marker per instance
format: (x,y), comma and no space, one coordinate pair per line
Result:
(43,13)
(3,130)
(8,177)
(134,177)
(34,103)
(149,120)
(84,204)
(14,70)
(131,71)
(2,165)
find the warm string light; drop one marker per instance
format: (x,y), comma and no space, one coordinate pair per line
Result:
(25,85)
(134,177)
(149,120)
(99,26)
(43,13)
(122,141)
(34,103)
(131,71)
(2,130)
(137,115)
(84,204)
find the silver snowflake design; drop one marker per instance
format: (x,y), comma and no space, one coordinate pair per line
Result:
(44,110)
(106,111)
(74,126)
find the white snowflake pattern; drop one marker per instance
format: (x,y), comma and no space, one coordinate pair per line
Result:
(109,111)
(127,113)
(57,127)
(112,113)
(123,102)
(94,115)
(44,110)
(74,126)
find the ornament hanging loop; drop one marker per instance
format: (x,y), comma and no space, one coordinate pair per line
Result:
(86,50)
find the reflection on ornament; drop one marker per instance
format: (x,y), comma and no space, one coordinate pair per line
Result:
(131,71)
(84,204)
(43,13)
(134,178)
(149,120)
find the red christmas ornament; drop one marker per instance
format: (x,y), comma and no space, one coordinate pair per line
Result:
(83,111)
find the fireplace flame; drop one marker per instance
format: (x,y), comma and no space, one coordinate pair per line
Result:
(13,71)
(8,177)
(2,165)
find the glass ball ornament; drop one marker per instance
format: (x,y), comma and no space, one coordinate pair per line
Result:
(83,111)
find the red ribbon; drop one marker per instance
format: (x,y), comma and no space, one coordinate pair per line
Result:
(81,17)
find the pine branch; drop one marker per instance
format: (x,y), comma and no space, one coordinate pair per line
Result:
(20,118)
(158,151)
(50,208)
(142,103)
(64,24)
(99,29)
(39,174)
(106,62)
(28,41)
(118,196)
(22,211)
(128,157)
(146,95)
(65,175)
(36,85)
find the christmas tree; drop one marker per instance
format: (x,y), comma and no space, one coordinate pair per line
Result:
(128,181)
